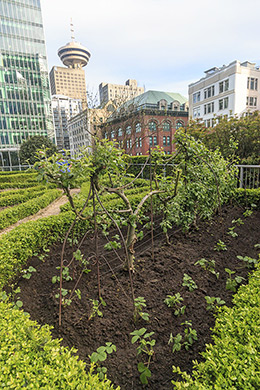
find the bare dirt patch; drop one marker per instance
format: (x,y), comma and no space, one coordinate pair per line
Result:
(153,280)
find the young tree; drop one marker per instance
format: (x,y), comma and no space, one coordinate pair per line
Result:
(29,148)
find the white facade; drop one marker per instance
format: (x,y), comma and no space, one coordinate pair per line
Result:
(229,90)
(79,132)
(64,108)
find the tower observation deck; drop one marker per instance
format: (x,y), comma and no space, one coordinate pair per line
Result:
(74,55)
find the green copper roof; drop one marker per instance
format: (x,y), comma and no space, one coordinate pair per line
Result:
(153,97)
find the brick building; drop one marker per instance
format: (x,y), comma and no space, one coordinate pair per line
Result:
(146,121)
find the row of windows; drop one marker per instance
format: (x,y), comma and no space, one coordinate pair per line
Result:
(210,91)
(209,108)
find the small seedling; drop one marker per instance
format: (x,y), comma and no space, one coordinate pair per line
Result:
(174,301)
(189,282)
(212,302)
(220,246)
(145,346)
(176,342)
(95,308)
(257,246)
(84,262)
(139,304)
(238,221)
(248,213)
(113,244)
(231,232)
(250,262)
(27,273)
(100,356)
(208,265)
(232,283)
(65,275)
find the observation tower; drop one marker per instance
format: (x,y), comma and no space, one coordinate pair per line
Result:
(74,55)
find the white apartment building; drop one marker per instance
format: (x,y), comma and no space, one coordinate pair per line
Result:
(120,93)
(64,108)
(229,90)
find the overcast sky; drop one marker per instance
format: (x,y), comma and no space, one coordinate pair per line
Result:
(163,44)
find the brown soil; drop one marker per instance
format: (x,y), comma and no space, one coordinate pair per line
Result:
(153,280)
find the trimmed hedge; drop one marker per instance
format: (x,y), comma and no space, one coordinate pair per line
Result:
(31,359)
(19,184)
(18,177)
(11,215)
(14,199)
(233,362)
(22,191)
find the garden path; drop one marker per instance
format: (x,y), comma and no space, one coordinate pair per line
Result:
(52,209)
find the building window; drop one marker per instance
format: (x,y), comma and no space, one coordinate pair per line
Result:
(166,126)
(196,112)
(128,130)
(168,140)
(138,127)
(251,101)
(224,86)
(196,97)
(140,142)
(208,92)
(223,103)
(208,108)
(151,140)
(155,140)
(152,126)
(252,83)
(113,134)
(179,124)
(120,132)
(164,140)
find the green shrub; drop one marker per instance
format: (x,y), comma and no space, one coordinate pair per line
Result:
(247,197)
(10,216)
(233,362)
(31,359)
(18,177)
(21,197)
(18,184)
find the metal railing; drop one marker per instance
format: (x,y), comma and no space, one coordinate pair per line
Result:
(249,176)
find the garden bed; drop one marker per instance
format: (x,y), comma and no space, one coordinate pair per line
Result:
(153,280)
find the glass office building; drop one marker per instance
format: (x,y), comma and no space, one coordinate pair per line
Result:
(25,103)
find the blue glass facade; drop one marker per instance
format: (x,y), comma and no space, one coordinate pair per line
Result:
(25,103)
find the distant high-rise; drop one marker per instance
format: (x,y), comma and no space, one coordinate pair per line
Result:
(119,93)
(25,103)
(70,81)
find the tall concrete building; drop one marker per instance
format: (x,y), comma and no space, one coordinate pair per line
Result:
(120,93)
(228,90)
(70,81)
(64,108)
(25,103)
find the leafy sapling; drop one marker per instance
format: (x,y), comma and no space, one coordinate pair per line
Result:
(249,261)
(190,335)
(176,342)
(139,304)
(238,221)
(189,282)
(232,283)
(100,356)
(231,232)
(83,262)
(27,273)
(174,301)
(208,265)
(248,213)
(220,246)
(213,302)
(115,244)
(95,311)
(145,346)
